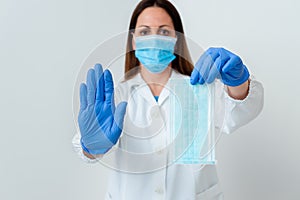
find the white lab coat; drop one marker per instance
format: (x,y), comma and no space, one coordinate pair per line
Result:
(173,182)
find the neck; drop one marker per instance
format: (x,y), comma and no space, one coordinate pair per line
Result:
(156,82)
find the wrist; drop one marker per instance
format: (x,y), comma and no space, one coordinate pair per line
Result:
(239,92)
(90,156)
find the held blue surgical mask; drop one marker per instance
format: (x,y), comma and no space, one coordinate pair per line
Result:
(155,52)
(191,122)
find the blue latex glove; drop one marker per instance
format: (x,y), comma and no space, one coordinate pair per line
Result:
(100,123)
(222,64)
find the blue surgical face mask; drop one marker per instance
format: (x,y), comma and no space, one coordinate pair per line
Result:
(155,52)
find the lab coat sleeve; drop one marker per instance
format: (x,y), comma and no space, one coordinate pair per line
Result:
(231,114)
(78,149)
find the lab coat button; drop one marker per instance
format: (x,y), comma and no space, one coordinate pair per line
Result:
(159,150)
(159,190)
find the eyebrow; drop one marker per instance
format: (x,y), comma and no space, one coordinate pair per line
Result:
(158,27)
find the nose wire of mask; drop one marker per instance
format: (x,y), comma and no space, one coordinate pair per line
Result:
(155,52)
(191,122)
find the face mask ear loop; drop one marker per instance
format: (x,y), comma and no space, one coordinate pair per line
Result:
(175,48)
(133,39)
(133,36)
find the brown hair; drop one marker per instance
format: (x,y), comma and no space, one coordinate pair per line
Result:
(182,63)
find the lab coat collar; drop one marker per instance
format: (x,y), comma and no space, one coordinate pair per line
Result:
(145,91)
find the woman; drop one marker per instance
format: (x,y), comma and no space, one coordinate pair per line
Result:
(147,71)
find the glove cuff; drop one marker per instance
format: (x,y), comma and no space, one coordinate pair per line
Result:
(93,152)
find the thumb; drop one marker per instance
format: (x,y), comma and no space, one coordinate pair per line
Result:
(119,118)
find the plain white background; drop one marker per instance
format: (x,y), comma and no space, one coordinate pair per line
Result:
(43,43)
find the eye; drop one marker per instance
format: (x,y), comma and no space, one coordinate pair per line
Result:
(164,32)
(143,32)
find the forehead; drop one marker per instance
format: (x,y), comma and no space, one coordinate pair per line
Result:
(154,17)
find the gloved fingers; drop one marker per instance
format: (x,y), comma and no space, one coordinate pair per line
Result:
(100,88)
(229,60)
(210,65)
(91,86)
(108,87)
(118,119)
(98,71)
(201,80)
(214,53)
(205,69)
(214,71)
(207,64)
(194,76)
(220,61)
(225,57)
(233,62)
(197,72)
(83,96)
